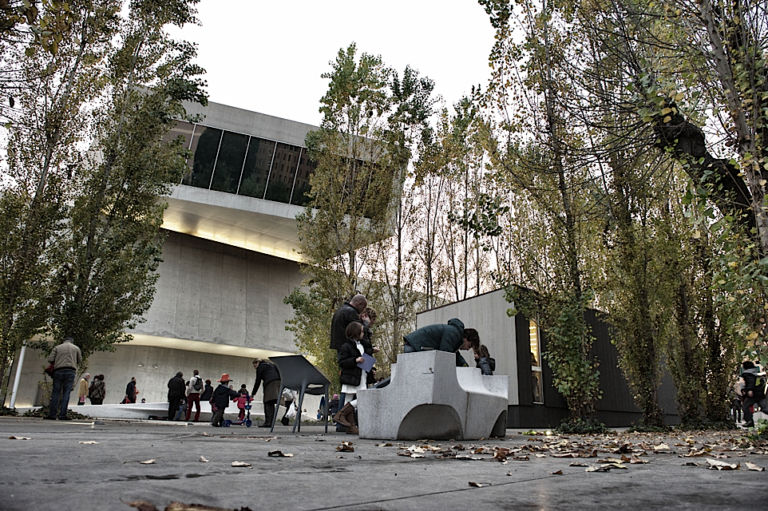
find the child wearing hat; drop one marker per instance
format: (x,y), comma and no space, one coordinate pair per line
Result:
(220,400)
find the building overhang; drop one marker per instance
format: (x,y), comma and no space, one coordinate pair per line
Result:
(263,226)
(201,346)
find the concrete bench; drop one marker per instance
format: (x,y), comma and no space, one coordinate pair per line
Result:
(429,397)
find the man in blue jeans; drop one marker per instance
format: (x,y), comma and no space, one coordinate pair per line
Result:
(66,358)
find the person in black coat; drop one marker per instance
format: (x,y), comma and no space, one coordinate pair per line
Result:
(220,400)
(352,377)
(176,390)
(267,372)
(207,391)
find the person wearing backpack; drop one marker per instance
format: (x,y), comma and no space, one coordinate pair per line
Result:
(194,387)
(753,392)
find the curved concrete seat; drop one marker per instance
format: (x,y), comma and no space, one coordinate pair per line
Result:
(429,397)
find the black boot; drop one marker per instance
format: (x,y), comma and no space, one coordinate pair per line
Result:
(269,415)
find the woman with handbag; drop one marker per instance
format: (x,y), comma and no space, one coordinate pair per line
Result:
(82,389)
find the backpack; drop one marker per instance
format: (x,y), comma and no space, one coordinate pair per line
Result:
(198,385)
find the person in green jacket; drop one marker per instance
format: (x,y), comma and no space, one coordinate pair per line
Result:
(450,337)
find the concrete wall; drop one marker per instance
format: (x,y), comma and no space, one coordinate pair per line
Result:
(487,314)
(206,292)
(212,292)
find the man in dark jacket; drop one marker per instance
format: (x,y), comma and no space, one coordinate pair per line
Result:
(220,400)
(343,316)
(753,392)
(207,391)
(176,389)
(450,337)
(267,372)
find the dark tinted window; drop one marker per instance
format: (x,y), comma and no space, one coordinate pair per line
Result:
(226,175)
(256,167)
(301,185)
(282,173)
(205,143)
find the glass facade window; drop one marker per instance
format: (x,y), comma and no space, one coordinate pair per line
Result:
(205,146)
(283,171)
(182,129)
(301,183)
(229,164)
(256,170)
(537,382)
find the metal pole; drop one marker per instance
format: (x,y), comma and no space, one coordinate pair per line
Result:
(18,376)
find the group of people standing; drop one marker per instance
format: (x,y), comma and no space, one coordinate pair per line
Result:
(750,392)
(351,338)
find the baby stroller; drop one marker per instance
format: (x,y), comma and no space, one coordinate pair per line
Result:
(246,420)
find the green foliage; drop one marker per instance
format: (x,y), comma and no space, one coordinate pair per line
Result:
(576,425)
(87,165)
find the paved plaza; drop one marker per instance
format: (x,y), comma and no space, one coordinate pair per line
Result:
(85,465)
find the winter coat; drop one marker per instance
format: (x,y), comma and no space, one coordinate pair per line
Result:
(222,395)
(448,337)
(348,353)
(266,372)
(176,388)
(207,392)
(750,377)
(191,385)
(65,356)
(97,390)
(130,392)
(343,316)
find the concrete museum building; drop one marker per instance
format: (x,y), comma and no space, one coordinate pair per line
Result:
(229,259)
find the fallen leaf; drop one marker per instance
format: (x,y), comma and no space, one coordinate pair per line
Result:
(478,485)
(142,505)
(203,459)
(279,454)
(605,467)
(88,442)
(661,447)
(578,464)
(148,462)
(240,464)
(690,464)
(345,447)
(386,444)
(756,468)
(557,473)
(721,465)
(16,437)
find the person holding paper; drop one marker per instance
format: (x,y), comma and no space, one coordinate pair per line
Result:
(355,360)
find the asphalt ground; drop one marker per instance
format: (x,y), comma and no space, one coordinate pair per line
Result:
(85,465)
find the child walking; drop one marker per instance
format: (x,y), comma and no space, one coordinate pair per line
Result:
(220,400)
(242,399)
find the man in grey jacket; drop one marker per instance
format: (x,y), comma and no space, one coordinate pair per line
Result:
(66,357)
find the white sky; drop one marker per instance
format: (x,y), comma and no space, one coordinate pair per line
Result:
(268,56)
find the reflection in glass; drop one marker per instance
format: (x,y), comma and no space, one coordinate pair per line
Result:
(282,173)
(229,164)
(256,168)
(182,129)
(301,183)
(205,145)
(538,387)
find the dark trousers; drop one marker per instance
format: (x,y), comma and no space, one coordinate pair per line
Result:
(173,406)
(63,380)
(193,398)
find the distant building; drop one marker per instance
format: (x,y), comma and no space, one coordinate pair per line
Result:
(229,259)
